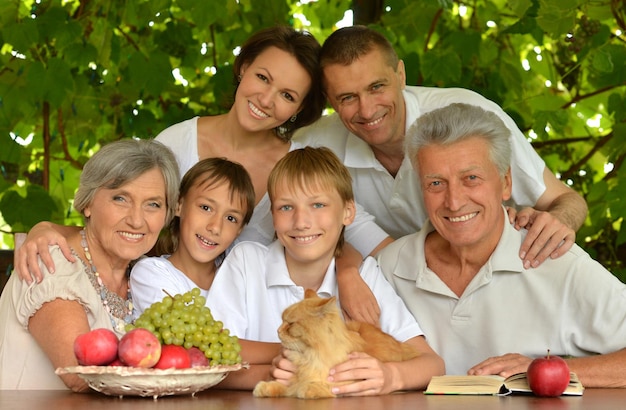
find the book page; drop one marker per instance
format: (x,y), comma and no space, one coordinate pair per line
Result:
(465,385)
(491,385)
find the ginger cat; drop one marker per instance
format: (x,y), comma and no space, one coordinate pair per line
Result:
(317,339)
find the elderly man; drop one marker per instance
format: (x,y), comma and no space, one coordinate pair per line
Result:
(461,277)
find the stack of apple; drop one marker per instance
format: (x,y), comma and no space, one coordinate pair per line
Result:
(137,348)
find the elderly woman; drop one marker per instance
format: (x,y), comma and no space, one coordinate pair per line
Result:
(127,193)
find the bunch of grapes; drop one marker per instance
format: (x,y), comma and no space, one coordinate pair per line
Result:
(586,29)
(184,320)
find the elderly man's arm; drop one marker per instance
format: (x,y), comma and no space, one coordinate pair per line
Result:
(607,370)
(552,223)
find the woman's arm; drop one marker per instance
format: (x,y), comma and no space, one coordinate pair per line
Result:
(55,326)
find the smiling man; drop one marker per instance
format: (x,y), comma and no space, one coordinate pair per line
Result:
(460,276)
(364,81)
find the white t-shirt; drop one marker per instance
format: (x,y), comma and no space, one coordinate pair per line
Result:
(152,276)
(253,287)
(397,203)
(571,305)
(182,138)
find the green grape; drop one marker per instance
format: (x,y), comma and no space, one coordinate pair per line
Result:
(224,337)
(178,304)
(185,320)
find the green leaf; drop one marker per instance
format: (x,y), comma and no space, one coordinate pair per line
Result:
(21,35)
(24,212)
(601,61)
(441,67)
(520,7)
(556,17)
(58,81)
(617,107)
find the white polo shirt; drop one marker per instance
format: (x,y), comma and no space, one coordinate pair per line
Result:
(571,305)
(397,203)
(253,287)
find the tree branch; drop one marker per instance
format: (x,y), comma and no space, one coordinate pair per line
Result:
(431,29)
(561,141)
(576,166)
(66,152)
(581,97)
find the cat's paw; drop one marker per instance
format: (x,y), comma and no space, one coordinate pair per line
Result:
(269,389)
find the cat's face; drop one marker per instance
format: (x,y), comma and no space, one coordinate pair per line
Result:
(305,321)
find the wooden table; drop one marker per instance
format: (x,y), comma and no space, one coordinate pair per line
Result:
(605,399)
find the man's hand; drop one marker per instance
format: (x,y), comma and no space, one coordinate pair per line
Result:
(547,236)
(40,237)
(357,301)
(505,366)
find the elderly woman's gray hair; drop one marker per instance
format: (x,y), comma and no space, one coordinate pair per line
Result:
(120,162)
(457,122)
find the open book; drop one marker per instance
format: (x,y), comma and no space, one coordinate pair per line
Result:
(492,385)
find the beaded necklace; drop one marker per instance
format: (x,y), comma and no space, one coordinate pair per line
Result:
(120,311)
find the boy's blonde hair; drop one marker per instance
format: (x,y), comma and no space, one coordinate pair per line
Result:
(309,168)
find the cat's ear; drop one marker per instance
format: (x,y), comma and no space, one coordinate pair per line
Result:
(329,303)
(309,293)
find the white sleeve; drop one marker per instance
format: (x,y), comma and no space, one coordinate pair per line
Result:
(395,318)
(526,170)
(149,277)
(227,296)
(363,233)
(182,139)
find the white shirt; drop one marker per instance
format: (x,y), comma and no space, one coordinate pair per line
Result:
(182,138)
(397,202)
(253,287)
(571,305)
(152,276)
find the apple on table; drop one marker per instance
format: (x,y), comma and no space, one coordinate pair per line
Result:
(548,376)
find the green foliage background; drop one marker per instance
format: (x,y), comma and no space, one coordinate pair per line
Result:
(77,74)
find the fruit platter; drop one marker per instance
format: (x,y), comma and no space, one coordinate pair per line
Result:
(149,382)
(174,347)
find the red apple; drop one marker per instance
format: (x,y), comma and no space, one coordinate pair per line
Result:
(173,356)
(198,358)
(117,362)
(139,348)
(548,376)
(97,347)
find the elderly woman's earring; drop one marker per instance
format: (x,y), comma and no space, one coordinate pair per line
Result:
(293,118)
(239,78)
